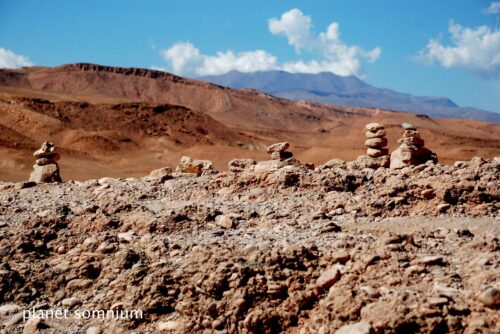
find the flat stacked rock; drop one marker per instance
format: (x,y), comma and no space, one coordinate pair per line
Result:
(280,158)
(46,169)
(375,140)
(279,151)
(377,155)
(411,152)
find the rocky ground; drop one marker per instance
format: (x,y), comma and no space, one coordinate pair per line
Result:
(336,250)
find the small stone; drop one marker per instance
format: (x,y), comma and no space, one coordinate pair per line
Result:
(70,302)
(357,328)
(49,159)
(375,134)
(14,320)
(376,142)
(415,141)
(94,330)
(443,207)
(428,193)
(375,152)
(374,127)
(61,267)
(408,126)
(278,147)
(78,284)
(490,297)
(168,325)
(438,301)
(9,309)
(32,325)
(46,150)
(341,257)
(227,221)
(217,324)
(428,260)
(328,278)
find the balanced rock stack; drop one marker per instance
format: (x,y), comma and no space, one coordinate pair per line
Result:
(46,169)
(377,155)
(279,151)
(411,152)
(280,158)
(375,140)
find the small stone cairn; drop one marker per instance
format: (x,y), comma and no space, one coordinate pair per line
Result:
(376,140)
(411,152)
(46,169)
(377,155)
(280,158)
(279,151)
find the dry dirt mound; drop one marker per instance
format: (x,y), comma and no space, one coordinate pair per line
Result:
(291,250)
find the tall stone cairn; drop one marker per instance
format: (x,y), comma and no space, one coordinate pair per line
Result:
(411,152)
(377,155)
(45,169)
(376,141)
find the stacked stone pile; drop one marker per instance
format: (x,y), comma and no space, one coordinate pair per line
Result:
(279,151)
(376,141)
(280,158)
(411,152)
(46,169)
(377,154)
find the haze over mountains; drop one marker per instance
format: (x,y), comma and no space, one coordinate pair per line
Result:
(346,91)
(115,121)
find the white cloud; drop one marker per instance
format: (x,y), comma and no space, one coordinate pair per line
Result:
(494,8)
(9,59)
(329,53)
(476,50)
(295,26)
(185,58)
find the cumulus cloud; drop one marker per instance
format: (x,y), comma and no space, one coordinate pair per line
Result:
(9,59)
(329,53)
(494,8)
(185,58)
(476,50)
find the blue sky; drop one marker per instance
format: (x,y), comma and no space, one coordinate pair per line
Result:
(438,48)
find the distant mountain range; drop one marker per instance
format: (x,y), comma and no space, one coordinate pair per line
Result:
(346,91)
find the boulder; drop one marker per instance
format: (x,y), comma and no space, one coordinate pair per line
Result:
(45,174)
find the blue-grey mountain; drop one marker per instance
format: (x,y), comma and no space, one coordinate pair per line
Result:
(346,91)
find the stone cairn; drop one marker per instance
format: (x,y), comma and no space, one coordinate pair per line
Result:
(376,141)
(46,169)
(377,155)
(411,152)
(279,151)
